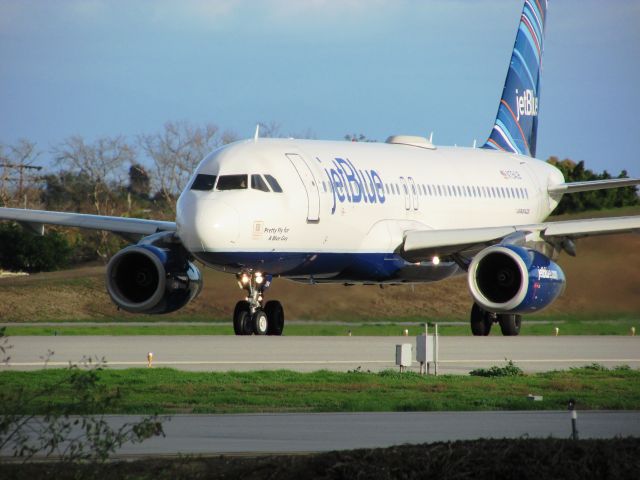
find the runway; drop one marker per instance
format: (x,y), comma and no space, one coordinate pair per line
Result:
(222,353)
(295,433)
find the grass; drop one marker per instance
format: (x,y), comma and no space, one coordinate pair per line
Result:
(539,325)
(168,391)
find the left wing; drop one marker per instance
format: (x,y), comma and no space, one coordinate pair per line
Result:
(425,244)
(130,228)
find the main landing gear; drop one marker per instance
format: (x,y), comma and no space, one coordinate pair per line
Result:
(250,316)
(481,322)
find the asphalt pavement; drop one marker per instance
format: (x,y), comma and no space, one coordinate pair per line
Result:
(221,353)
(295,433)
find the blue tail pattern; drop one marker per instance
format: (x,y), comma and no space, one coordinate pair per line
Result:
(516,124)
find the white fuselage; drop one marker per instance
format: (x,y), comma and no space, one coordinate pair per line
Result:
(345,206)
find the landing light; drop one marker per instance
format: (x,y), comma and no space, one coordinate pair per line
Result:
(435,260)
(259,278)
(244,279)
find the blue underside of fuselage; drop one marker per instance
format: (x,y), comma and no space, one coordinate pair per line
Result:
(358,267)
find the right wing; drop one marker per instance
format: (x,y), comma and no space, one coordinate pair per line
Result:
(127,227)
(425,244)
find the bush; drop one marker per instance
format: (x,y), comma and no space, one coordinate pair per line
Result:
(509,370)
(73,436)
(23,251)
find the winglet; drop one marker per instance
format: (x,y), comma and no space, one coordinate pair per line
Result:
(516,126)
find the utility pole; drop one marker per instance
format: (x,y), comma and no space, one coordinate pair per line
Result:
(21,167)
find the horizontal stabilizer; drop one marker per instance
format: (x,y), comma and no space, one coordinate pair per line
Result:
(575,187)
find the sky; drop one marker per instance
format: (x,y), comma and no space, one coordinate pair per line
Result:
(320,67)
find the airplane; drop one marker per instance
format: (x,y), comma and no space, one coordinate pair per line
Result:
(402,211)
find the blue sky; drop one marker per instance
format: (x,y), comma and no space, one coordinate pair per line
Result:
(377,67)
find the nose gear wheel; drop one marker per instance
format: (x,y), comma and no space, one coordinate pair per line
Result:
(250,316)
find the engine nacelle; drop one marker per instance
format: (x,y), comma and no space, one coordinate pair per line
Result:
(512,279)
(146,278)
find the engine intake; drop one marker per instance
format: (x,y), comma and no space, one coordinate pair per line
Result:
(512,279)
(146,278)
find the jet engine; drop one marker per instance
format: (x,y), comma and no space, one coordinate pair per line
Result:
(513,279)
(151,278)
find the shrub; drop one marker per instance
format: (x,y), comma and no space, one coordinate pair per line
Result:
(23,251)
(509,370)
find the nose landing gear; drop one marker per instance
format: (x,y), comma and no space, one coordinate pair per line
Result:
(249,316)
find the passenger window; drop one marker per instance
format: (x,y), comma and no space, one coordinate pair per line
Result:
(203,182)
(257,183)
(273,183)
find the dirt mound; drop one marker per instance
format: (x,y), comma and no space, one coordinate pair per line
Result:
(603,279)
(523,459)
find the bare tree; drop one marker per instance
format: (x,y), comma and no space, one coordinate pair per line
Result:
(358,138)
(273,129)
(177,150)
(18,175)
(270,129)
(103,163)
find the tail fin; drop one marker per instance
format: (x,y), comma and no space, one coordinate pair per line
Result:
(516,124)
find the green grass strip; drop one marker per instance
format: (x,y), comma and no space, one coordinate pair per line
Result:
(566,327)
(167,391)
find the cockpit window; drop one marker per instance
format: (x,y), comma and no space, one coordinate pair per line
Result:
(275,186)
(257,183)
(203,182)
(232,182)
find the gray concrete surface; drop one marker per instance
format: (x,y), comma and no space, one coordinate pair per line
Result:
(282,433)
(220,353)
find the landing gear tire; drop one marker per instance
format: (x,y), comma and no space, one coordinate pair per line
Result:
(259,322)
(510,324)
(481,321)
(242,318)
(275,316)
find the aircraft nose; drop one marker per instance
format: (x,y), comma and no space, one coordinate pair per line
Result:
(206,223)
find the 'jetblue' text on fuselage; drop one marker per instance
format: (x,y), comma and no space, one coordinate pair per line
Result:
(352,185)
